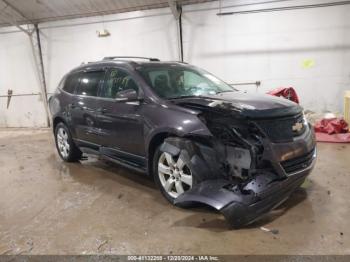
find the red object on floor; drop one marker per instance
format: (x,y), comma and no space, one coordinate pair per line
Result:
(334,130)
(335,138)
(286,92)
(331,126)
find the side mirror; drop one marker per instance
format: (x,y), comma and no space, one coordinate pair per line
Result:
(127,95)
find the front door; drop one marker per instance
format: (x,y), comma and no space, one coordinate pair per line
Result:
(120,122)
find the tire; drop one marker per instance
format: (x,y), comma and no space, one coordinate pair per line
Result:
(172,171)
(65,146)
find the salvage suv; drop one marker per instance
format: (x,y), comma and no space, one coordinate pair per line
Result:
(201,140)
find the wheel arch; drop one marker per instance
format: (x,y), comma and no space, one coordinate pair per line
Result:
(156,141)
(159,138)
(56,121)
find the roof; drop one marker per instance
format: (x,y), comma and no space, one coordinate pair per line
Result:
(38,11)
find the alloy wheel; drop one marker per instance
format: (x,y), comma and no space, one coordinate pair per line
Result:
(174,175)
(62,142)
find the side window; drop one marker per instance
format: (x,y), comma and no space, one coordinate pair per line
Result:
(70,83)
(117,81)
(90,82)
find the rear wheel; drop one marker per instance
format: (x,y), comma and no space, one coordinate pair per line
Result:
(172,174)
(66,148)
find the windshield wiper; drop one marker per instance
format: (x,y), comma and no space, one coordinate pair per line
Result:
(227,91)
(183,96)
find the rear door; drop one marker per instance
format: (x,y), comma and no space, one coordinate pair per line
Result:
(121,122)
(70,83)
(84,108)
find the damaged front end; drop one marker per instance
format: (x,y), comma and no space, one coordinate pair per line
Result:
(248,166)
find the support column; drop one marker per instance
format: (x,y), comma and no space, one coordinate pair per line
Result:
(181,46)
(34,38)
(177,12)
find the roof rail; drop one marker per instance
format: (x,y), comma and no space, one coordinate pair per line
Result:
(123,57)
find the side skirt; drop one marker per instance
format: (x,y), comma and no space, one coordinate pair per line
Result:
(130,161)
(124,164)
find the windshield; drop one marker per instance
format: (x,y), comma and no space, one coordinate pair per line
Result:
(174,81)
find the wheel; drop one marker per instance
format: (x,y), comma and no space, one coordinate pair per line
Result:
(172,173)
(66,148)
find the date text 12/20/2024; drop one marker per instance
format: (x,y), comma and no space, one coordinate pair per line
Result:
(173,258)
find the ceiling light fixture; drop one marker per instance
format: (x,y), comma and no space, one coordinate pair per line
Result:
(103,33)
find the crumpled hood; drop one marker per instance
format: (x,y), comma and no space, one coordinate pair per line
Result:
(244,104)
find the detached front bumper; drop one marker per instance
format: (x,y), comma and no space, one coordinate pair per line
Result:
(242,205)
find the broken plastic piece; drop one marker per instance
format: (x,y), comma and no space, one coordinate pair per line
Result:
(273,231)
(243,206)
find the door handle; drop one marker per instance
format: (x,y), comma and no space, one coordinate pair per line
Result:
(102,110)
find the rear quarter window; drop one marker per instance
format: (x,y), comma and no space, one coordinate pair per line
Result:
(70,83)
(90,83)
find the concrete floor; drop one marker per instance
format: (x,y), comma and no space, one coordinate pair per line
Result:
(50,207)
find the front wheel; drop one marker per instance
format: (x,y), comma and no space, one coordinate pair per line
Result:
(172,173)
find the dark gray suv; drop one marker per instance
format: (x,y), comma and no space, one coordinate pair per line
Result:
(199,138)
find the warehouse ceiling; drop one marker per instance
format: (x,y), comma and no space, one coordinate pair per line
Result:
(38,11)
